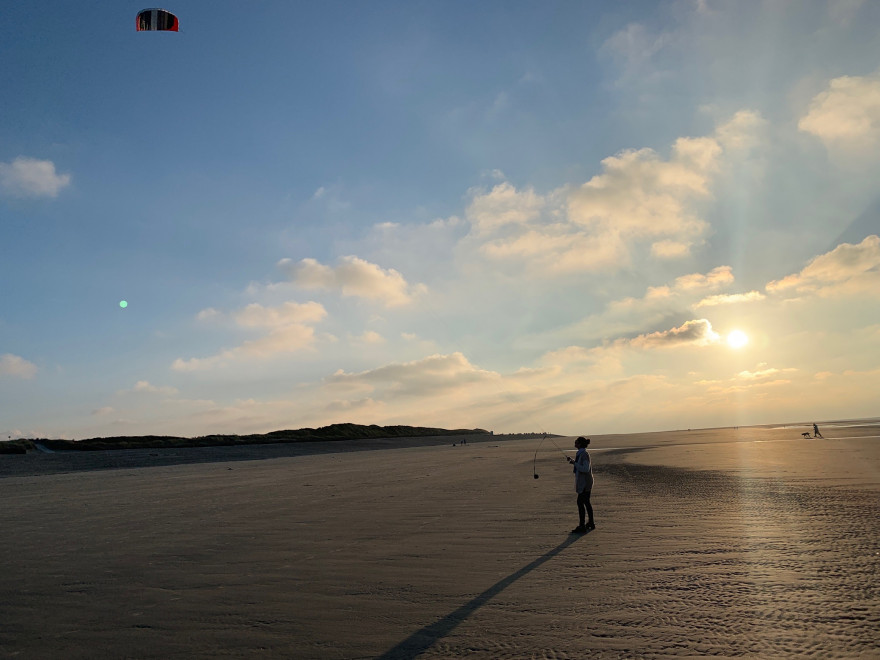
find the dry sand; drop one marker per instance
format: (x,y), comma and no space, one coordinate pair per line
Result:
(722,543)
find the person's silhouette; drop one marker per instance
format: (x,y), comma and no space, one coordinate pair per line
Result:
(583,484)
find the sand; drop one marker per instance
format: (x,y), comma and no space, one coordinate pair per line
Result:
(721,543)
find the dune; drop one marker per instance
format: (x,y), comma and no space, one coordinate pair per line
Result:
(749,542)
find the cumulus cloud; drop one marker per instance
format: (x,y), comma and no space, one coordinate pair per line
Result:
(640,195)
(354,277)
(742,131)
(846,270)
(715,278)
(286,314)
(30,177)
(639,198)
(763,373)
(200,364)
(668,249)
(143,386)
(503,205)
(730,299)
(16,366)
(284,339)
(847,114)
(370,337)
(290,328)
(569,355)
(690,284)
(431,375)
(697,332)
(598,362)
(630,315)
(560,248)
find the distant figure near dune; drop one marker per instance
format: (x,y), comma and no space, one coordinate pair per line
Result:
(816,433)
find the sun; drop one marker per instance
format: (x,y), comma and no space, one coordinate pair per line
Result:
(737,339)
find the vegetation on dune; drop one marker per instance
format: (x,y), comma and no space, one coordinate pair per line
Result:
(16,446)
(334,432)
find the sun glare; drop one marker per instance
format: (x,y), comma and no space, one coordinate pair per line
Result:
(737,339)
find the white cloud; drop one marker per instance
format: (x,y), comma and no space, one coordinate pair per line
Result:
(370,337)
(628,316)
(283,339)
(697,332)
(690,284)
(503,205)
(640,195)
(763,373)
(286,314)
(30,177)
(354,277)
(847,114)
(634,47)
(13,365)
(639,198)
(330,199)
(667,249)
(601,358)
(715,278)
(429,376)
(290,330)
(742,131)
(200,364)
(847,270)
(143,386)
(560,248)
(730,299)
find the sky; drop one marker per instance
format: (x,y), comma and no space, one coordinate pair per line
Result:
(573,217)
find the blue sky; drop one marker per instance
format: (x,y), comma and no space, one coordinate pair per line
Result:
(514,216)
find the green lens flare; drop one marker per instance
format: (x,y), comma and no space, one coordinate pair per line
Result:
(123,304)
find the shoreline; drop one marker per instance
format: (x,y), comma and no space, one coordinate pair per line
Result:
(37,463)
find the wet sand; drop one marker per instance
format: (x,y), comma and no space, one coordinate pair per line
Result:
(749,542)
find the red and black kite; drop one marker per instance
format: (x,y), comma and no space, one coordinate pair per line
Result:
(156,19)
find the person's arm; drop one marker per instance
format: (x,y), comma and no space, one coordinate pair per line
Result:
(582,465)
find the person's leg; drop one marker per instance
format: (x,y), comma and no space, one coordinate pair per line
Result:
(582,512)
(589,507)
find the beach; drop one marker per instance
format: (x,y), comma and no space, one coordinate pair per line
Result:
(750,542)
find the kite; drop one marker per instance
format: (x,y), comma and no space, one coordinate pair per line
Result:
(156,19)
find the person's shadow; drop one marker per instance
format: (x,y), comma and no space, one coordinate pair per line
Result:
(421,640)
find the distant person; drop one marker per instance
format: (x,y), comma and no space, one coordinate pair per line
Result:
(816,433)
(583,484)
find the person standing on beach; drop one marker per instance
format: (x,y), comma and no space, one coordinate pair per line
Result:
(583,484)
(816,433)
